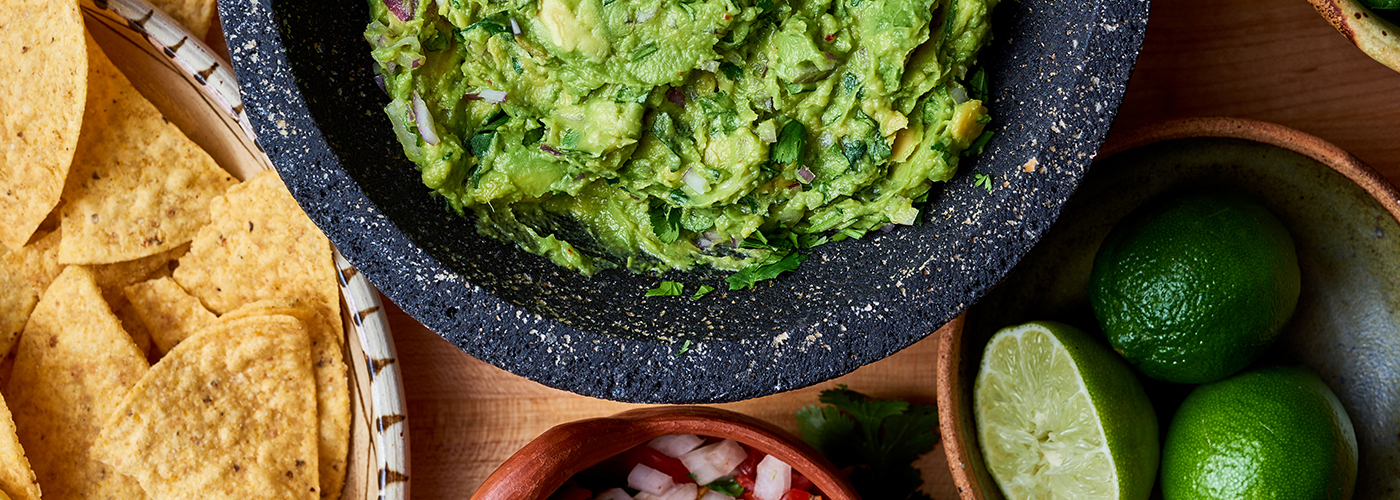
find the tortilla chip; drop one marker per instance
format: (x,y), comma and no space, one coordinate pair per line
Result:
(194,15)
(228,413)
(170,314)
(15,474)
(43,86)
(138,186)
(260,245)
(74,366)
(131,323)
(24,274)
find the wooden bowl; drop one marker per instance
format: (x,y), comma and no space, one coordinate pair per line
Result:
(543,465)
(1373,34)
(1343,218)
(196,89)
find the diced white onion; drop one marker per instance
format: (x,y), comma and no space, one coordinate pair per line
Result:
(715,495)
(675,445)
(695,181)
(493,96)
(711,66)
(686,491)
(714,461)
(649,480)
(772,478)
(958,93)
(424,119)
(826,140)
(767,132)
(647,16)
(514,27)
(614,494)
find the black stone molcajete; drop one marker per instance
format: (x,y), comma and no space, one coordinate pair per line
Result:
(1058,69)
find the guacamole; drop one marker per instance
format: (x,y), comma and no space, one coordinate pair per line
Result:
(667,134)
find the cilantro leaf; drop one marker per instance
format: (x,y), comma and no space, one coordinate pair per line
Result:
(703,291)
(878,439)
(791,141)
(983,181)
(665,221)
(731,71)
(766,269)
(684,349)
(666,289)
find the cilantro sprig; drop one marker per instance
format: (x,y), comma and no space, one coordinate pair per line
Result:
(877,439)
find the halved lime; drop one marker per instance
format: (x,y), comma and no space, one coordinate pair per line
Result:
(1060,416)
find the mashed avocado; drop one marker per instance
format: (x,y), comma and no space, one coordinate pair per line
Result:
(666,134)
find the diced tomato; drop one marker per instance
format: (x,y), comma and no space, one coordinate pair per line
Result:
(750,464)
(796,494)
(649,457)
(745,481)
(800,482)
(570,492)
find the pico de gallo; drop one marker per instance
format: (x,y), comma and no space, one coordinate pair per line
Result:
(690,467)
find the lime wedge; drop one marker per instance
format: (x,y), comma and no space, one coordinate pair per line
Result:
(1061,416)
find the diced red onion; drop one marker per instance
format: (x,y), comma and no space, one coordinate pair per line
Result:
(767,132)
(550,149)
(887,228)
(493,96)
(614,494)
(391,66)
(676,96)
(829,57)
(379,80)
(402,9)
(706,240)
(471,97)
(417,61)
(424,119)
(649,480)
(675,445)
(772,479)
(715,495)
(514,27)
(806,176)
(695,181)
(687,491)
(714,461)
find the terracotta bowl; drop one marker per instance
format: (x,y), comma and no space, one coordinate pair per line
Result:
(543,465)
(195,89)
(1343,218)
(1373,34)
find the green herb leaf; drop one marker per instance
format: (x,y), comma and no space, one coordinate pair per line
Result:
(727,486)
(983,181)
(666,289)
(878,439)
(665,221)
(764,270)
(481,143)
(979,144)
(731,71)
(791,141)
(643,51)
(977,85)
(703,291)
(853,149)
(684,349)
(570,139)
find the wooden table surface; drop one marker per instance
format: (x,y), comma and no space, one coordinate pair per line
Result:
(1274,60)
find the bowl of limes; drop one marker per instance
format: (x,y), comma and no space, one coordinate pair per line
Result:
(1372,25)
(1212,317)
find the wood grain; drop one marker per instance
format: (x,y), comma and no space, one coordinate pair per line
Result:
(1274,60)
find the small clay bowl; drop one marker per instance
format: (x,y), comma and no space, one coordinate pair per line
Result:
(1343,219)
(547,462)
(1373,34)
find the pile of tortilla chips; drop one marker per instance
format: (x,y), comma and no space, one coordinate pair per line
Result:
(170,331)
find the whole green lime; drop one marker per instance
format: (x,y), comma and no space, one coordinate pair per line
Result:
(1192,288)
(1276,433)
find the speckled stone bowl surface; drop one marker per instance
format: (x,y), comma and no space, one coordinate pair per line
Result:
(1343,219)
(1058,70)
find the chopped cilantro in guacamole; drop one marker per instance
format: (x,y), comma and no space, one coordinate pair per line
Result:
(666,134)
